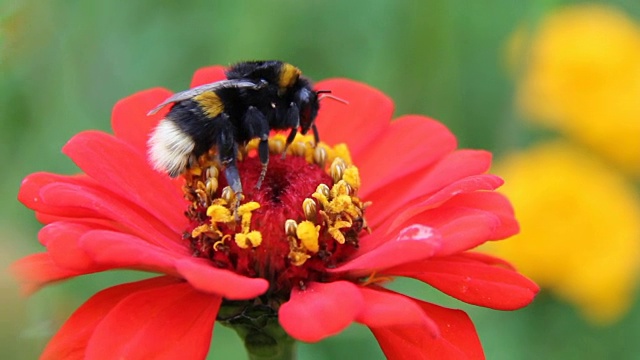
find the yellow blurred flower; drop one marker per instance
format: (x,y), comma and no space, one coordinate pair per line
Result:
(580,228)
(25,27)
(580,74)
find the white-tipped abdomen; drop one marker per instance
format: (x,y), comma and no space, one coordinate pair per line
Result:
(170,148)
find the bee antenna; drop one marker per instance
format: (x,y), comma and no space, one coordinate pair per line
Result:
(327,96)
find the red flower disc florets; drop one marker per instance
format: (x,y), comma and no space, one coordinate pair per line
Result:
(304,219)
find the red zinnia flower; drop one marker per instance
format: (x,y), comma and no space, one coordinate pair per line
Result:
(311,266)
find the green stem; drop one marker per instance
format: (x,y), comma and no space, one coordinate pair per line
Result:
(261,346)
(258,327)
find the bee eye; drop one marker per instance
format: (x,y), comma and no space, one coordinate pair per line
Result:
(304,95)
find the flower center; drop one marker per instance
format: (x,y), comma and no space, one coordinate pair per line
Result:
(305,218)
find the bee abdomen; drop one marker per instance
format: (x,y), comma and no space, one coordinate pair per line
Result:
(170,148)
(210,103)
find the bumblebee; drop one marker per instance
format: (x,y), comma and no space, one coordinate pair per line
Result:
(257,97)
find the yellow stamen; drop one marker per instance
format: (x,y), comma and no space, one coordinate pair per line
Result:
(336,170)
(211,186)
(250,239)
(220,202)
(212,172)
(298,258)
(352,177)
(308,233)
(334,230)
(342,151)
(248,207)
(298,148)
(217,244)
(219,213)
(320,156)
(205,228)
(276,144)
(321,199)
(244,211)
(309,208)
(290,227)
(342,224)
(227,194)
(340,188)
(340,203)
(337,235)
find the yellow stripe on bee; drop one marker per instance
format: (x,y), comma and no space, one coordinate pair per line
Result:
(289,74)
(210,103)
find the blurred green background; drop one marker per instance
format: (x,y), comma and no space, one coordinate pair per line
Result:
(63,64)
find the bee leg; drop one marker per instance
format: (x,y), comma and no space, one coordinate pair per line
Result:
(316,135)
(263,152)
(257,125)
(293,120)
(292,135)
(227,151)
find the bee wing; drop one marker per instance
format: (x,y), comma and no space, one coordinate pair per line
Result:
(223,84)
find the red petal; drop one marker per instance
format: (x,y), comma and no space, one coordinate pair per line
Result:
(386,308)
(71,340)
(461,228)
(488,259)
(470,279)
(320,310)
(37,270)
(455,166)
(358,124)
(73,200)
(208,75)
(119,168)
(30,193)
(45,218)
(61,240)
(35,188)
(207,278)
(129,118)
(469,184)
(412,243)
(493,202)
(458,340)
(69,197)
(111,249)
(169,322)
(424,141)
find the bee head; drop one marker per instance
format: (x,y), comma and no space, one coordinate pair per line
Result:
(307,101)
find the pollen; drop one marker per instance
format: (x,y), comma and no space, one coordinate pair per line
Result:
(219,214)
(244,211)
(248,240)
(352,177)
(308,233)
(342,152)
